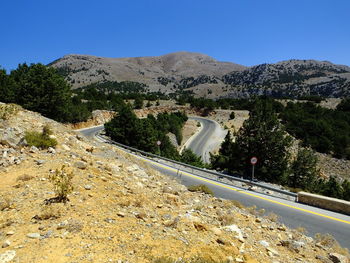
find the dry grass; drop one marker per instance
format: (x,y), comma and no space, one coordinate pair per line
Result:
(74,226)
(227,219)
(5,203)
(201,188)
(8,110)
(272,217)
(50,212)
(24,178)
(330,243)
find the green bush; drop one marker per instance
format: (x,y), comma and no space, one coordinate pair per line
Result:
(62,184)
(8,110)
(40,139)
(201,188)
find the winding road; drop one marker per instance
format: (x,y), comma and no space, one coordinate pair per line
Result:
(208,139)
(292,214)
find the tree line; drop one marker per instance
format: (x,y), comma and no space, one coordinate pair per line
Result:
(264,137)
(39,88)
(144,134)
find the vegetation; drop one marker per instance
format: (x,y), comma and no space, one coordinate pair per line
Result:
(325,130)
(62,184)
(41,139)
(8,110)
(41,89)
(200,188)
(262,136)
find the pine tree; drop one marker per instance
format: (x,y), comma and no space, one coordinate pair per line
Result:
(262,136)
(303,170)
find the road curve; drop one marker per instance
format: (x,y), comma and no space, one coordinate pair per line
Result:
(314,220)
(208,139)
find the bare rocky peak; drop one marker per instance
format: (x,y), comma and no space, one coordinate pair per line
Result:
(86,69)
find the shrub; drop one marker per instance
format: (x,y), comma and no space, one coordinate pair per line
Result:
(62,184)
(201,188)
(40,140)
(8,110)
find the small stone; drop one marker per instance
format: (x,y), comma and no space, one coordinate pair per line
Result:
(258,220)
(33,235)
(239,259)
(338,258)
(121,214)
(281,228)
(7,243)
(10,233)
(39,162)
(7,256)
(33,149)
(272,251)
(51,150)
(80,165)
(87,187)
(65,147)
(264,243)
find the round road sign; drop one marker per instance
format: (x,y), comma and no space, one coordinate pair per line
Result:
(253,160)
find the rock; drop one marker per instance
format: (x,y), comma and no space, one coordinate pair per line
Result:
(234,228)
(264,243)
(80,165)
(62,225)
(33,149)
(239,259)
(121,214)
(33,235)
(281,228)
(216,231)
(272,251)
(87,187)
(7,256)
(338,258)
(7,243)
(258,220)
(10,233)
(39,162)
(51,150)
(65,147)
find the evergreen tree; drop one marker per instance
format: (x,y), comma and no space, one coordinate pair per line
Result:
(304,170)
(40,88)
(7,87)
(189,157)
(262,136)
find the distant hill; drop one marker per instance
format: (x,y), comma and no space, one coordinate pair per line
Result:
(204,76)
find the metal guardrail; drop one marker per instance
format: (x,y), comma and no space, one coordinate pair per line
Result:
(219,175)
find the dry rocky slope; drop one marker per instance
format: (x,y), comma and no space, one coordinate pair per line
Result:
(205,76)
(121,210)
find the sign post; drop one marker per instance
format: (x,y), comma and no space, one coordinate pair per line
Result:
(159,143)
(253,161)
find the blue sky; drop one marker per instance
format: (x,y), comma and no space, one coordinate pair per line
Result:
(247,32)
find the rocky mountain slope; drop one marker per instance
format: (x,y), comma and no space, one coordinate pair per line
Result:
(121,210)
(204,76)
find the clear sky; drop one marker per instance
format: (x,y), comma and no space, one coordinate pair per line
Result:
(247,32)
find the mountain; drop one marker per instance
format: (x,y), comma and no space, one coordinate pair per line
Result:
(204,76)
(292,78)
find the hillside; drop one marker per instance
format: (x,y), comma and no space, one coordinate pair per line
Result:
(121,210)
(204,76)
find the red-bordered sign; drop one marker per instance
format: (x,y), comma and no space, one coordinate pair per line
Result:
(253,160)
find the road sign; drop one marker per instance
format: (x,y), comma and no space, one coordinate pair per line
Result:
(159,143)
(253,160)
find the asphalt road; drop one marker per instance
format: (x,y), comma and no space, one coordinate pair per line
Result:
(208,139)
(292,214)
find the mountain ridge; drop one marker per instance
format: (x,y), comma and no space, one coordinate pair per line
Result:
(204,76)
